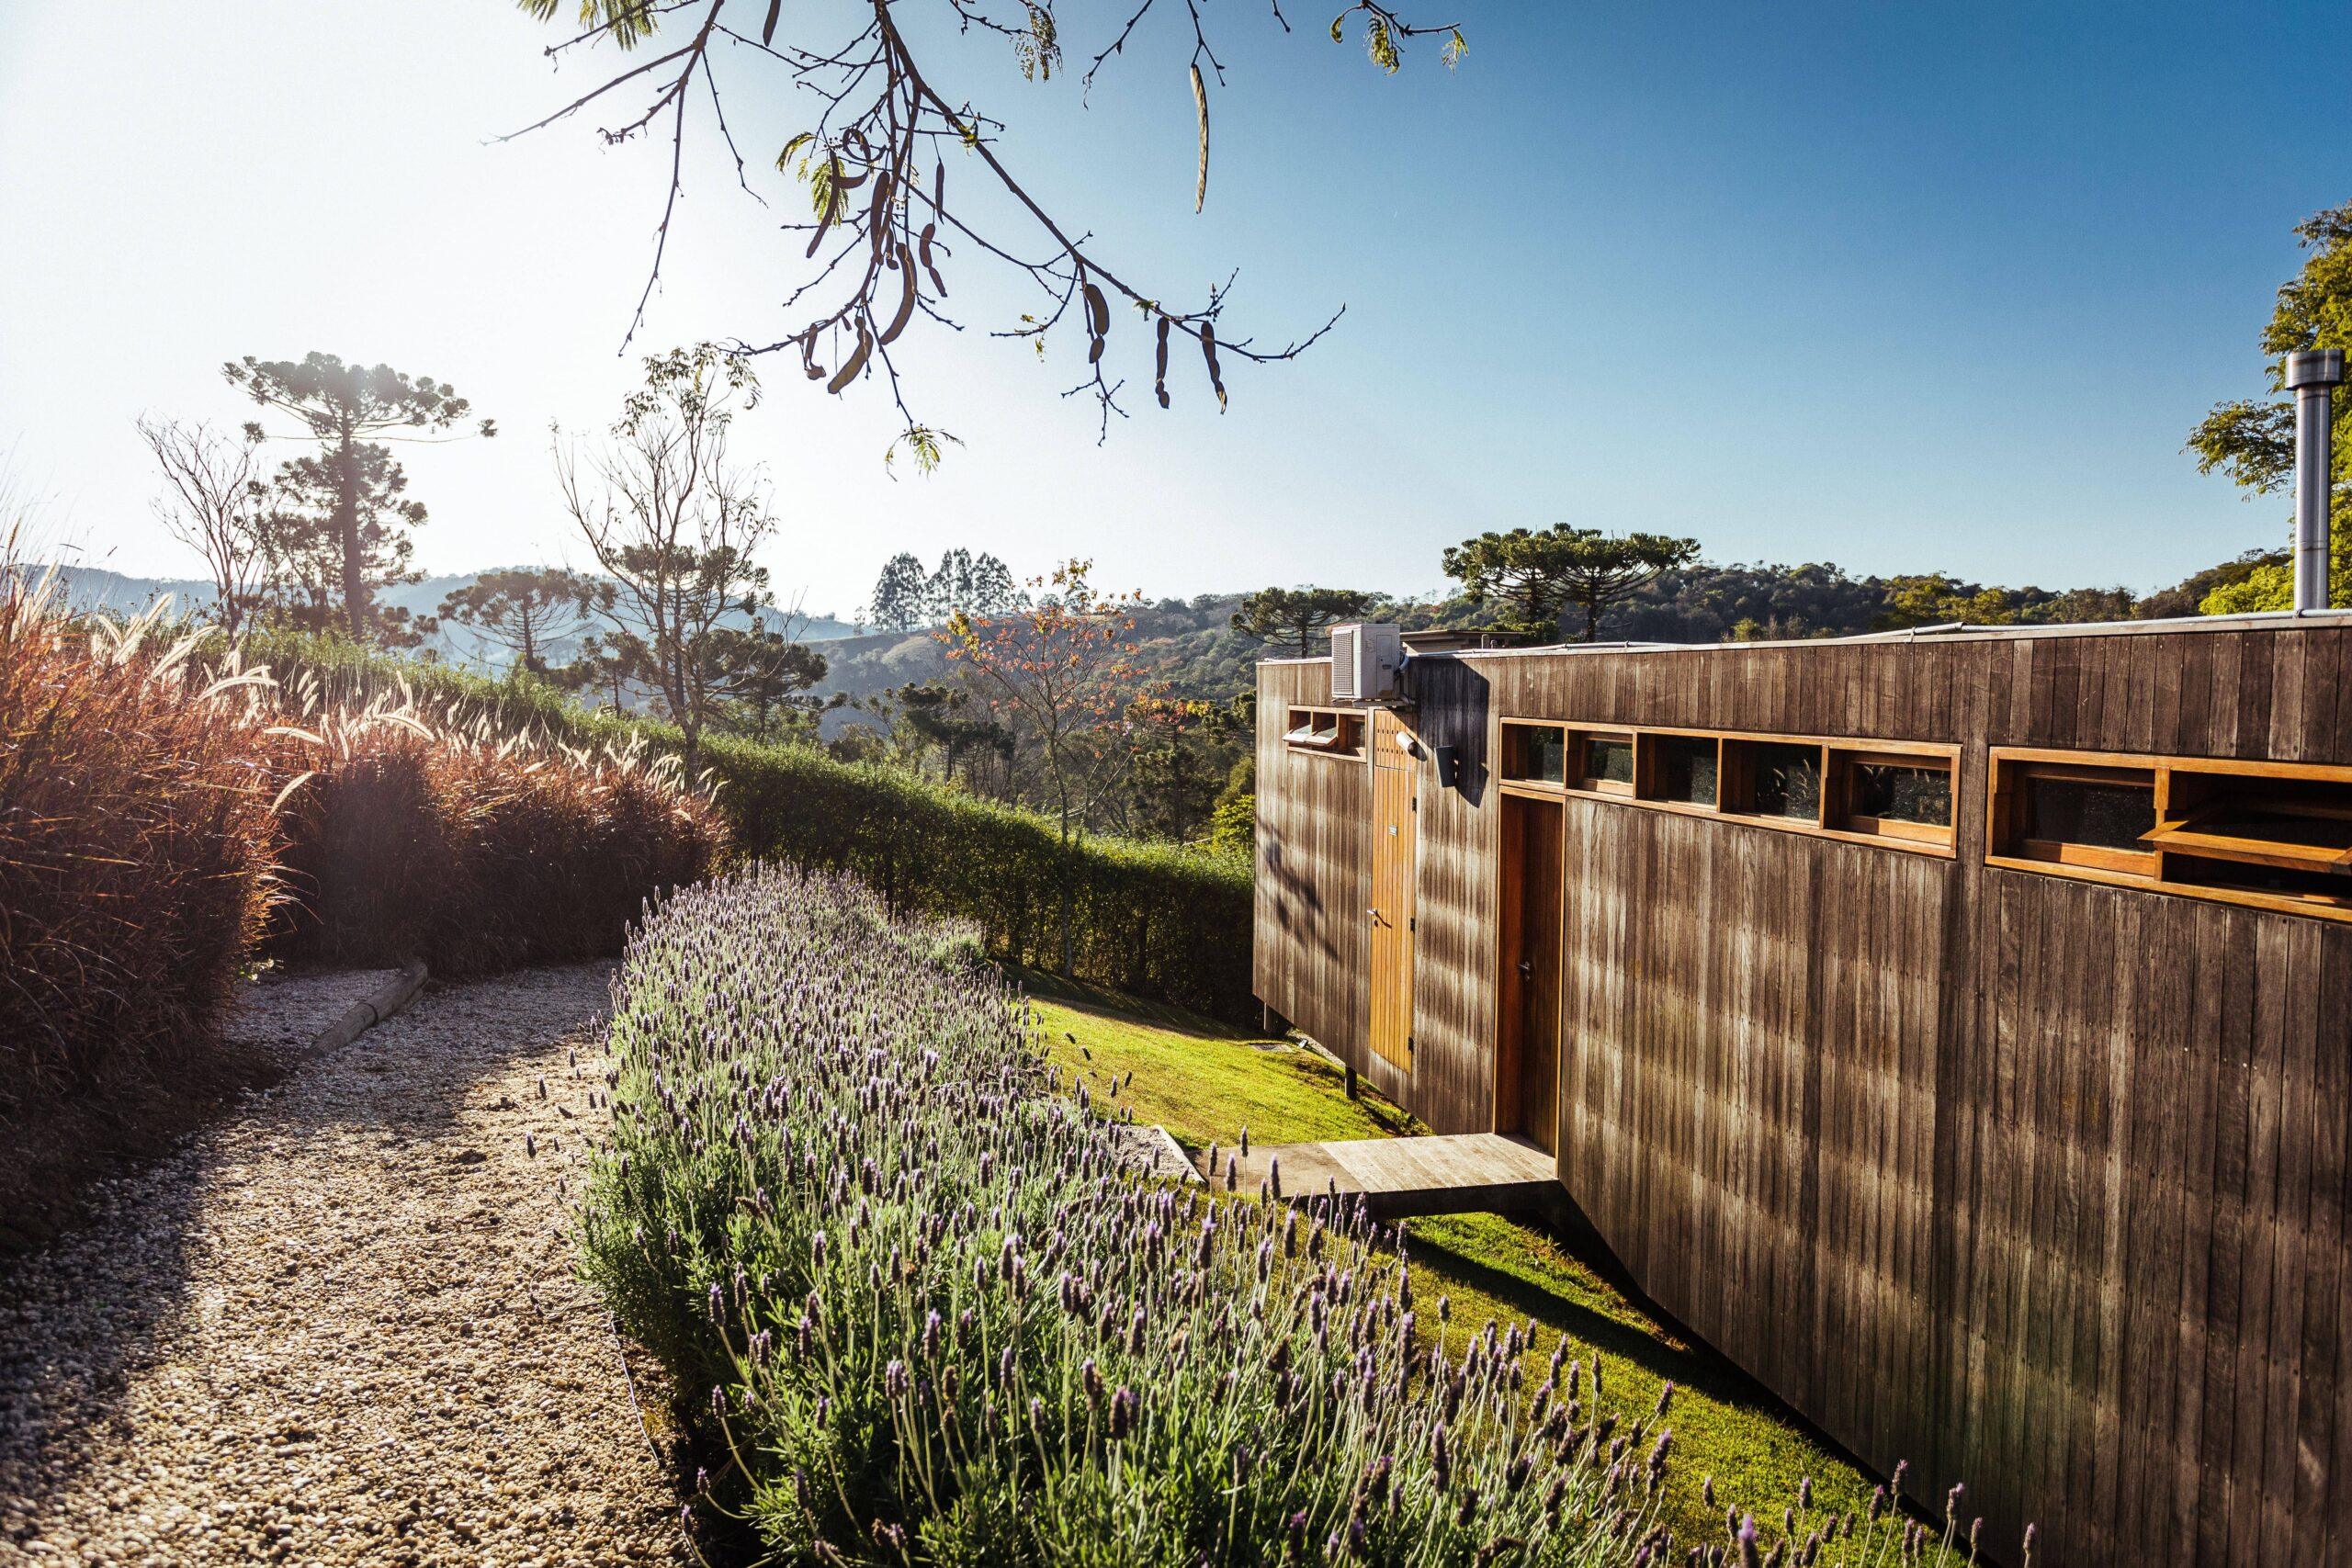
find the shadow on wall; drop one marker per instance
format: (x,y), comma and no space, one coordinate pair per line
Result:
(1293,888)
(1451,699)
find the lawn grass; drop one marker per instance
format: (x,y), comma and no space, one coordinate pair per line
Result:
(1203,1083)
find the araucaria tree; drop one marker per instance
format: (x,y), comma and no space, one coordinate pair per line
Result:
(881,223)
(763,677)
(316,560)
(1543,573)
(527,611)
(2254,441)
(342,406)
(214,502)
(1300,614)
(1062,671)
(675,523)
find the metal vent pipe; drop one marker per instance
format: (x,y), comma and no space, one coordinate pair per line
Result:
(2313,377)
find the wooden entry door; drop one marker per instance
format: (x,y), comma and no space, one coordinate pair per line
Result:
(1394,865)
(1526,1055)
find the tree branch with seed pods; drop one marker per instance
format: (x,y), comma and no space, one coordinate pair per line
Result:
(883,227)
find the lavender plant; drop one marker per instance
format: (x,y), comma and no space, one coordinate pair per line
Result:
(923,1312)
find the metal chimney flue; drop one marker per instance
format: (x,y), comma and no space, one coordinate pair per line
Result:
(2313,377)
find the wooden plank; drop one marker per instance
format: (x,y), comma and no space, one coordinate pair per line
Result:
(2039,1183)
(2319,1507)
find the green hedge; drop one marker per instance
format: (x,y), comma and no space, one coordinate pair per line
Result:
(1160,921)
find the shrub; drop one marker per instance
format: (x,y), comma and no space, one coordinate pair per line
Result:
(409,836)
(1156,919)
(145,804)
(928,1313)
(1159,921)
(136,837)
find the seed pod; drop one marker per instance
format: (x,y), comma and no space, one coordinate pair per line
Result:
(906,297)
(1201,111)
(1208,354)
(1159,371)
(848,372)
(877,217)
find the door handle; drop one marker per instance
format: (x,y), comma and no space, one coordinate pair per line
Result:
(1527,969)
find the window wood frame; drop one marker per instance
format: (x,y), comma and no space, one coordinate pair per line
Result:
(1735,781)
(1920,839)
(1505,744)
(1348,726)
(2171,840)
(1576,766)
(1646,769)
(1837,793)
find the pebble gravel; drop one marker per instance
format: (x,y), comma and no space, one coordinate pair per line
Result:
(340,1326)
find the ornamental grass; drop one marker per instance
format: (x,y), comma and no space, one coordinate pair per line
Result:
(136,840)
(921,1311)
(416,832)
(167,820)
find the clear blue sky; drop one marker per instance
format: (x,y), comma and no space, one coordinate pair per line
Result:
(1897,286)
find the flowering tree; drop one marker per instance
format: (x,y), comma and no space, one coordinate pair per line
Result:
(1062,669)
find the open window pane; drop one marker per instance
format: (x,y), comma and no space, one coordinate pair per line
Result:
(1896,791)
(1682,769)
(2288,823)
(2268,823)
(1328,733)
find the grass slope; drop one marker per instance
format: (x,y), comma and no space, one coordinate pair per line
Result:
(1203,1083)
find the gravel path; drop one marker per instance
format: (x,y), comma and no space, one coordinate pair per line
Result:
(340,1327)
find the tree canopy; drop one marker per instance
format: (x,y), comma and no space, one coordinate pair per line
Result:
(342,406)
(675,523)
(2253,439)
(1300,615)
(338,528)
(525,611)
(1543,573)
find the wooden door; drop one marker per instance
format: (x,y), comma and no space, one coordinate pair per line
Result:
(1527,1053)
(1394,865)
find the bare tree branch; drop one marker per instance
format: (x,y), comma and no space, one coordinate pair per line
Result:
(873,166)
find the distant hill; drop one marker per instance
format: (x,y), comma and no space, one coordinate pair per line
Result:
(1189,645)
(96,588)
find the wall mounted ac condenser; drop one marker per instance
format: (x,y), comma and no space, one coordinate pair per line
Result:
(1366,658)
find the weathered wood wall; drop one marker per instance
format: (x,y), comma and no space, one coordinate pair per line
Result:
(2053,1175)
(1310,947)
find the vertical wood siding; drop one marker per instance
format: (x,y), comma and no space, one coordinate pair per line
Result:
(2038,1184)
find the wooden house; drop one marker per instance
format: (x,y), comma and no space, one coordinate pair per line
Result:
(1953,1029)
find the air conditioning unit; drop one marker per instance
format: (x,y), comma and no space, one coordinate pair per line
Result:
(1366,657)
